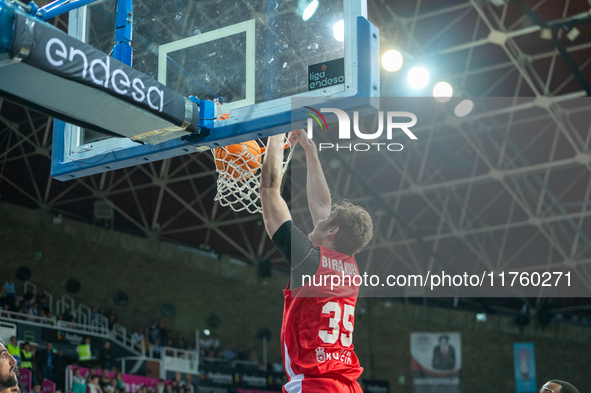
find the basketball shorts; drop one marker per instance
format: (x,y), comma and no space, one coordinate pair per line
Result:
(322,385)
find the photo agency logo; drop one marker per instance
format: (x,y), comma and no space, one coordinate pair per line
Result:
(374,140)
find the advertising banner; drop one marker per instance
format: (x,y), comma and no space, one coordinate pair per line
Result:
(25,378)
(229,378)
(436,361)
(131,383)
(525,367)
(375,386)
(48,386)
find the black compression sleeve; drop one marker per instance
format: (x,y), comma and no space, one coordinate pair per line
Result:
(282,240)
(298,251)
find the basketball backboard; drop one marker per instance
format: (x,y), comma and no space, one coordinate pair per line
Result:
(251,56)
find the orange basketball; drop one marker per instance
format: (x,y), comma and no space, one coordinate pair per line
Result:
(238,160)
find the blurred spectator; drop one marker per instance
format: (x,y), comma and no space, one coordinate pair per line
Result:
(110,388)
(93,385)
(137,338)
(14,349)
(154,332)
(105,380)
(168,388)
(252,356)
(188,384)
(163,332)
(216,343)
(175,384)
(241,353)
(94,313)
(34,309)
(147,338)
(42,300)
(16,306)
(209,356)
(50,316)
(42,315)
(277,366)
(9,291)
(85,353)
(205,344)
(156,348)
(78,382)
(27,311)
(228,354)
(27,358)
(160,386)
(30,295)
(119,379)
(4,312)
(59,369)
(45,359)
(36,388)
(112,320)
(180,342)
(67,316)
(106,356)
(169,344)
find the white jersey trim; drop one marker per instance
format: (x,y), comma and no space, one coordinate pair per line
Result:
(295,381)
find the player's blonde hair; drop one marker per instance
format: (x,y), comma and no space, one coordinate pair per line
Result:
(355,228)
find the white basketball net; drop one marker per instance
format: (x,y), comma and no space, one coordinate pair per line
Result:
(238,184)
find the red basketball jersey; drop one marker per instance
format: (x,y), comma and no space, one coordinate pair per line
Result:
(317,330)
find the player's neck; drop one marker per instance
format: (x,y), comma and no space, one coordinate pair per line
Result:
(326,244)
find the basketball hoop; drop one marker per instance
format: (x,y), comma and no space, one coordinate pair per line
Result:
(239,174)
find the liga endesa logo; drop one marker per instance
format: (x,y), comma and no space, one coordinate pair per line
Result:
(345,129)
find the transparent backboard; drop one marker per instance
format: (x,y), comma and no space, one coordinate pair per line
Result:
(251,56)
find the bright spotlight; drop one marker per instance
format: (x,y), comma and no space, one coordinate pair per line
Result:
(418,77)
(481,317)
(310,10)
(464,108)
(442,91)
(392,60)
(338,31)
(206,332)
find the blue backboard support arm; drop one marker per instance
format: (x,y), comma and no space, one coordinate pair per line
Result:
(122,50)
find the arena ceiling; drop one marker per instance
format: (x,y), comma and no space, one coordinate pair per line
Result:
(502,189)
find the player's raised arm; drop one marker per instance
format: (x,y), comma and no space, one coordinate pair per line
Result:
(318,194)
(275,210)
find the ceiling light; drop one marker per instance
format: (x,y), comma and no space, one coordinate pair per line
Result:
(418,77)
(392,60)
(442,91)
(338,31)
